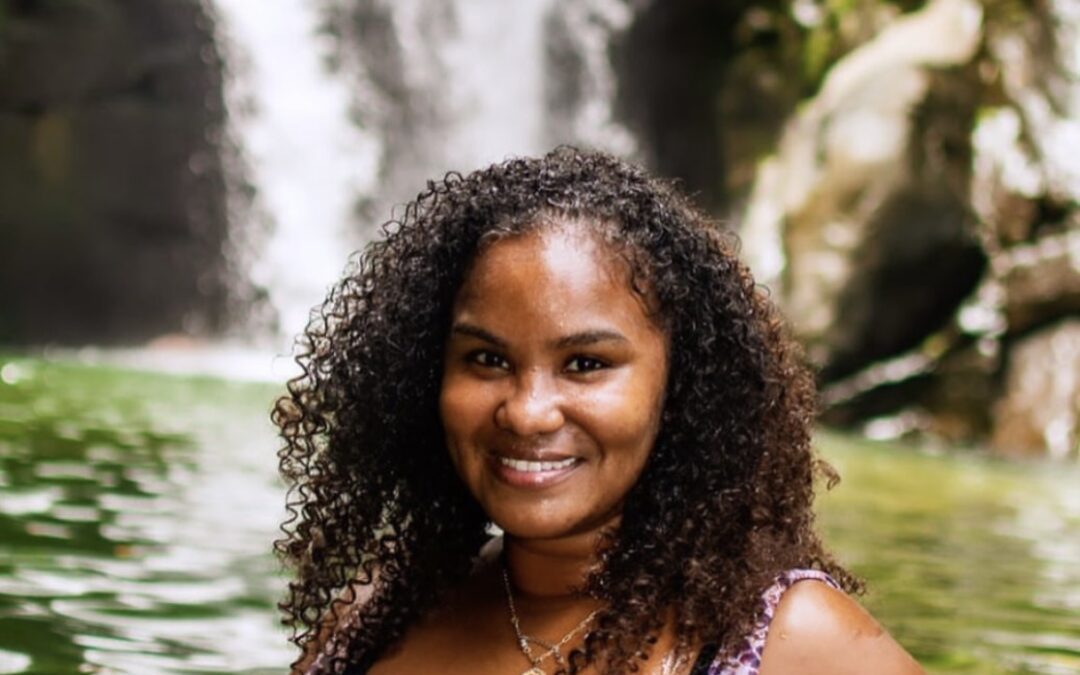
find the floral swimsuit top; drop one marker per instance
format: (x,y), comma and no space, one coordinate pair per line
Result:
(747,659)
(744,661)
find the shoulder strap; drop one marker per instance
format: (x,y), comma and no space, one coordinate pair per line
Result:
(746,660)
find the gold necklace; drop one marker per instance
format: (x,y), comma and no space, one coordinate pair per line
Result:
(553,649)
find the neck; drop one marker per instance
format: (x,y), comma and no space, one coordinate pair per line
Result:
(550,569)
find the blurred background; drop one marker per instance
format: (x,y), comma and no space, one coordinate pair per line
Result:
(181,180)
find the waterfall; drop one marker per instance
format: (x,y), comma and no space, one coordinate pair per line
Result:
(291,117)
(419,88)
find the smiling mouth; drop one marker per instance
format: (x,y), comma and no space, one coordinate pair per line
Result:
(533,474)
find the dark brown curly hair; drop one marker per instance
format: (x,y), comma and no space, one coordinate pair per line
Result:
(722,506)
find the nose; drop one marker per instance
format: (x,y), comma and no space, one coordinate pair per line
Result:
(532,407)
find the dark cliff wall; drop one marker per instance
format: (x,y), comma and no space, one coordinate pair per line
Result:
(112,189)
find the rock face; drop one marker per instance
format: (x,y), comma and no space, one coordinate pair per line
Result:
(1039,410)
(112,189)
(866,197)
(919,224)
(675,115)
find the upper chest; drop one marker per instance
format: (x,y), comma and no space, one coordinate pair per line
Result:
(477,645)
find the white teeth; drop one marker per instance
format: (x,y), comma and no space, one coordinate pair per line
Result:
(524,465)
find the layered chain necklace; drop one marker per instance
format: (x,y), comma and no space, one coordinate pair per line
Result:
(525,642)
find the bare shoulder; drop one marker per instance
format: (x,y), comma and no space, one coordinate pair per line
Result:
(818,629)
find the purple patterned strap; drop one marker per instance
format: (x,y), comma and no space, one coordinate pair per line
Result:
(747,659)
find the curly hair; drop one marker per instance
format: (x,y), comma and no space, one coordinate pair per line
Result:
(376,507)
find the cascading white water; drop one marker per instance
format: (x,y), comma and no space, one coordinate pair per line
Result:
(307,161)
(475,69)
(494,103)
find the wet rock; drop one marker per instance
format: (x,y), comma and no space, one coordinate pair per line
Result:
(1039,411)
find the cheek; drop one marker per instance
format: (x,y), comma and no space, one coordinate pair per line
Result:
(450,418)
(463,411)
(626,416)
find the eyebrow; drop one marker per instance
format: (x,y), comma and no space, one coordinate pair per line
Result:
(477,332)
(581,339)
(587,338)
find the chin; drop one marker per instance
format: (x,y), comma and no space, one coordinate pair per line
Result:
(556,526)
(527,528)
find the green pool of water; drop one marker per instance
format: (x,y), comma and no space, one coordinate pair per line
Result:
(136,512)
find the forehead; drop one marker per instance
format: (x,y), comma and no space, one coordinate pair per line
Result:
(555,253)
(550,274)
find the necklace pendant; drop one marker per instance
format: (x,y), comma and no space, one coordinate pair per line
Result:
(535,670)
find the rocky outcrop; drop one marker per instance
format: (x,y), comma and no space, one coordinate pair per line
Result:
(860,218)
(112,186)
(919,224)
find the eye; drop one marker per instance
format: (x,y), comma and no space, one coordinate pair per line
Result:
(584,364)
(487,359)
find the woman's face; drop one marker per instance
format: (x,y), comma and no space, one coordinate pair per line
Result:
(553,383)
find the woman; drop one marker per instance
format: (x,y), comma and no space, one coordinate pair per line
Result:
(563,348)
